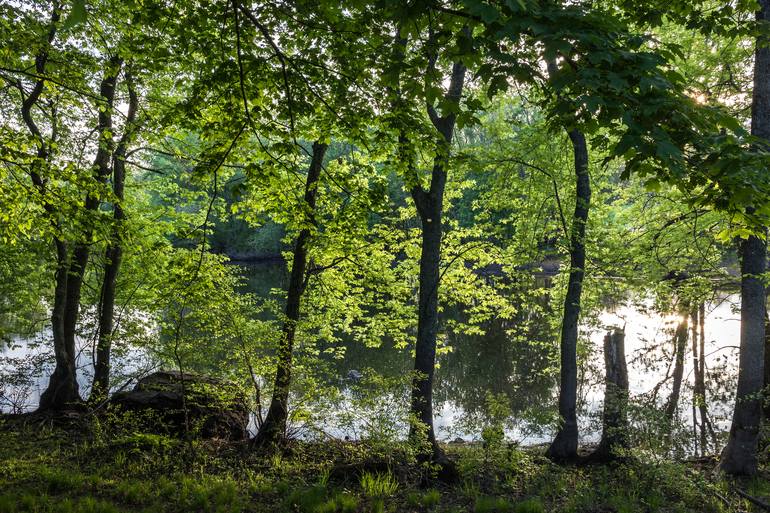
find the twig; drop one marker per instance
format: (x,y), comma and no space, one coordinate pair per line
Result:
(757,502)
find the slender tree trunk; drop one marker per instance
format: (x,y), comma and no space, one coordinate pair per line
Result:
(113,254)
(701,384)
(430,209)
(614,418)
(63,386)
(564,446)
(65,373)
(273,428)
(680,347)
(740,455)
(694,342)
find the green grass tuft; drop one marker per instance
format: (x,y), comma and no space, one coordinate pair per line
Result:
(378,485)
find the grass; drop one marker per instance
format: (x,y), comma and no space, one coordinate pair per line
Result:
(379,485)
(51,470)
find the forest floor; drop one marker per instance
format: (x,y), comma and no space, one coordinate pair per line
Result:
(91,469)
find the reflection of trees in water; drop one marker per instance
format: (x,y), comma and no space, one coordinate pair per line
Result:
(385,360)
(260,279)
(511,359)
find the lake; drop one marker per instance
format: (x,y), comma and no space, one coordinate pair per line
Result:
(480,375)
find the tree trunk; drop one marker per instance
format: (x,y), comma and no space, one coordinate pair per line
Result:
(427,318)
(767,368)
(694,320)
(680,347)
(701,384)
(52,397)
(614,419)
(564,446)
(430,209)
(62,387)
(740,455)
(113,254)
(273,429)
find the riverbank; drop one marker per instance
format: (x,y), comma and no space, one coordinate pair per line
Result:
(96,469)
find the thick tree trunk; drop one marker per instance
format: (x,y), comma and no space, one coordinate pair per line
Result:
(614,419)
(740,454)
(427,319)
(113,255)
(273,429)
(430,209)
(767,369)
(680,347)
(62,387)
(564,446)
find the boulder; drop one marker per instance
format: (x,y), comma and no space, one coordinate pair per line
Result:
(215,408)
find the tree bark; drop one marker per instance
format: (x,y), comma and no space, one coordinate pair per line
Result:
(694,321)
(680,347)
(273,429)
(740,454)
(63,387)
(113,254)
(430,210)
(614,419)
(766,408)
(64,379)
(701,384)
(564,446)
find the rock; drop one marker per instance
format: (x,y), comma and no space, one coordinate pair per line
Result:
(215,408)
(354,375)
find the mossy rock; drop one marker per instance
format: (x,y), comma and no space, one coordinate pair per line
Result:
(214,407)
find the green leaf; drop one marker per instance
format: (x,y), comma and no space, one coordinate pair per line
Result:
(653,184)
(76,16)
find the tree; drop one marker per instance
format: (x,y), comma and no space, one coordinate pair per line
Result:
(114,251)
(739,455)
(273,428)
(615,416)
(564,446)
(45,113)
(679,344)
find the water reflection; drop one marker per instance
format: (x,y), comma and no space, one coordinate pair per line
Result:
(512,362)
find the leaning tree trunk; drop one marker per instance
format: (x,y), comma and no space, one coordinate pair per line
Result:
(273,429)
(680,347)
(564,446)
(430,209)
(614,419)
(113,254)
(740,454)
